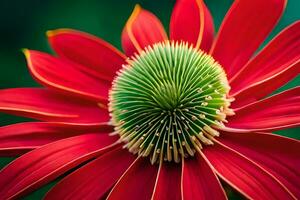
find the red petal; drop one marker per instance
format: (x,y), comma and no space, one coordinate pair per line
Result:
(192,22)
(168,182)
(244,175)
(281,52)
(43,104)
(99,57)
(142,29)
(244,28)
(19,138)
(278,155)
(261,89)
(276,112)
(137,182)
(199,180)
(66,76)
(44,164)
(94,179)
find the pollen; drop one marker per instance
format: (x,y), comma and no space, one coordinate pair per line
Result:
(168,101)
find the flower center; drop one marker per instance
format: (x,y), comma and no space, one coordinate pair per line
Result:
(167,102)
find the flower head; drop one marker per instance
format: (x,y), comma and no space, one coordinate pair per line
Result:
(167,120)
(165,102)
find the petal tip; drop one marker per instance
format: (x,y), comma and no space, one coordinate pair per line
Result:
(137,9)
(51,33)
(26,52)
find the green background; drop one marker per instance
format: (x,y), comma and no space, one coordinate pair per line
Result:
(24,23)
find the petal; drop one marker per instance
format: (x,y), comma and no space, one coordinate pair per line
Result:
(192,22)
(19,138)
(168,182)
(199,180)
(278,155)
(244,28)
(142,29)
(276,112)
(43,104)
(281,52)
(93,180)
(44,164)
(98,57)
(137,182)
(66,76)
(244,175)
(265,87)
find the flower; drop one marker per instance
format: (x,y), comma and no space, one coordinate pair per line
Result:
(195,105)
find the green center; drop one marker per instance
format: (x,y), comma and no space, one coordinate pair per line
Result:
(168,100)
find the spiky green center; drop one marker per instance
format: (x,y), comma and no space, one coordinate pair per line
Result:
(166,102)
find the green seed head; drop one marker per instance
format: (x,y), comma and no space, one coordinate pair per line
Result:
(167,102)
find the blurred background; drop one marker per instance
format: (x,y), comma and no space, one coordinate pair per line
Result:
(24,23)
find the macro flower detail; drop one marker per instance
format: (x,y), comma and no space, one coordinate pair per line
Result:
(171,118)
(166,100)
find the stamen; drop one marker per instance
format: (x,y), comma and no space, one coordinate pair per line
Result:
(168,101)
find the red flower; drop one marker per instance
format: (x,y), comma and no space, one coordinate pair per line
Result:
(75,128)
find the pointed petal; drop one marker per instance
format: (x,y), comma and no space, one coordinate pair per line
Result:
(98,57)
(142,29)
(192,22)
(244,175)
(93,180)
(168,182)
(44,164)
(66,76)
(281,52)
(245,27)
(199,180)
(44,104)
(137,182)
(19,138)
(278,155)
(274,113)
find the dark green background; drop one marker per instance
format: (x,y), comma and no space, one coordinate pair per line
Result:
(24,23)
